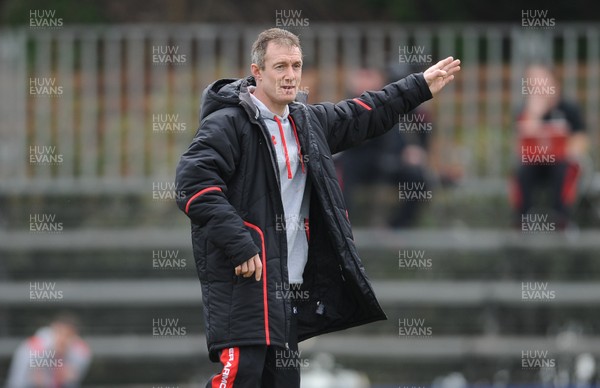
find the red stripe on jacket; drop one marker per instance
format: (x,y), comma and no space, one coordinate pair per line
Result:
(359,102)
(199,193)
(264,279)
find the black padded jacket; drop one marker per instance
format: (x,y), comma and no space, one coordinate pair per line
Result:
(228,185)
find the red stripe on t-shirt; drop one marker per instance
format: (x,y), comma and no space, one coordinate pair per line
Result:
(297,144)
(285,150)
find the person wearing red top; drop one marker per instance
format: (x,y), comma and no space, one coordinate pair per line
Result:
(54,357)
(551,141)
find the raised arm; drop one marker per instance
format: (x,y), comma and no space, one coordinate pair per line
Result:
(350,122)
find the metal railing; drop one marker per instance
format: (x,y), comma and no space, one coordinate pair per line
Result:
(111,108)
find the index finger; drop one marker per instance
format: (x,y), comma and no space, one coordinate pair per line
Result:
(444,62)
(452,65)
(258,272)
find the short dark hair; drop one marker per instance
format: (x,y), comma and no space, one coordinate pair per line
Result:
(67,318)
(277,35)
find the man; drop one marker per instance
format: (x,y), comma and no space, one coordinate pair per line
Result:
(54,357)
(552,142)
(259,186)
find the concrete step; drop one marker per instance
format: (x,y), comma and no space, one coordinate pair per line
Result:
(164,292)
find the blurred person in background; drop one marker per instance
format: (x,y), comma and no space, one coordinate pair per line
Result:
(400,156)
(267,213)
(54,357)
(551,143)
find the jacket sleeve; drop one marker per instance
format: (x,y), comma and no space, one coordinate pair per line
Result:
(350,122)
(201,177)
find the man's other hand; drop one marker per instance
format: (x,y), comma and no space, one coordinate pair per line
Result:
(252,266)
(438,75)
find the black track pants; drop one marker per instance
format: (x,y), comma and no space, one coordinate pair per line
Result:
(260,366)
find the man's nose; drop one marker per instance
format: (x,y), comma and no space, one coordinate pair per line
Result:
(289,74)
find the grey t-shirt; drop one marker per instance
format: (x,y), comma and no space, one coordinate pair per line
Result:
(294,188)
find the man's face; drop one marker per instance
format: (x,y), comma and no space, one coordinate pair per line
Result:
(547,95)
(63,335)
(280,79)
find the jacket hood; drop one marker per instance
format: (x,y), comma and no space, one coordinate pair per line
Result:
(230,92)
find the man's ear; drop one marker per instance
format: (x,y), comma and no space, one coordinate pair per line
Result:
(255,70)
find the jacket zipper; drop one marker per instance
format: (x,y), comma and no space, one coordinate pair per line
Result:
(329,197)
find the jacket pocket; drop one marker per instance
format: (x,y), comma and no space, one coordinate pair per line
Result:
(265,296)
(199,245)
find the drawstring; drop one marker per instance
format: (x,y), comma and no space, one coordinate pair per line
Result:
(297,143)
(285,150)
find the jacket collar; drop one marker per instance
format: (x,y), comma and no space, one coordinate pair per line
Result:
(262,108)
(246,99)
